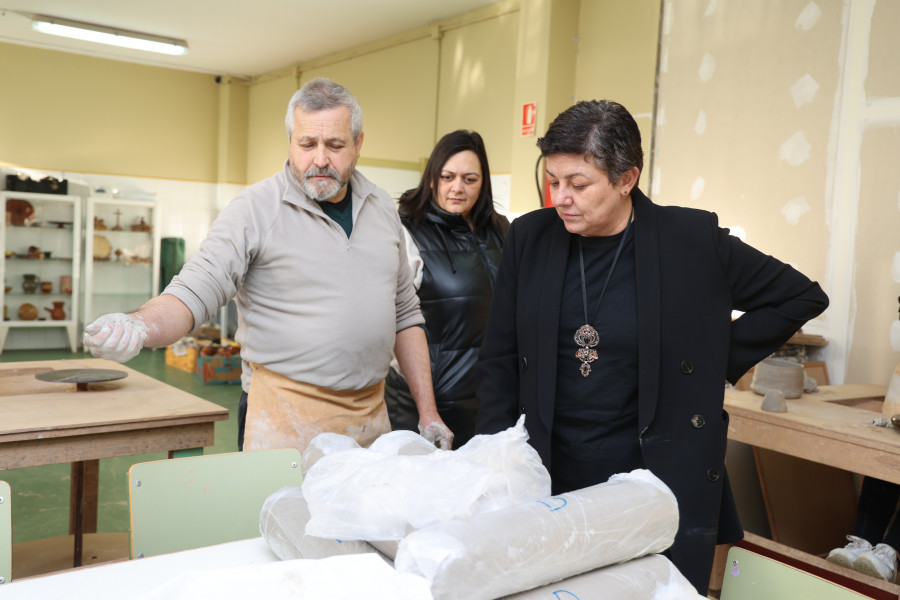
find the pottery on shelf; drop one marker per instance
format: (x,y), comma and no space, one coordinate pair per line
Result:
(57,313)
(28,312)
(46,287)
(30,283)
(65,284)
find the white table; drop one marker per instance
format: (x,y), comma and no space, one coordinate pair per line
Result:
(132,578)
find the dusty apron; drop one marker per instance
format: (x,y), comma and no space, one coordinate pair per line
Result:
(283,413)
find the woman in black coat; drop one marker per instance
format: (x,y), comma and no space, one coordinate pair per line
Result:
(611,330)
(455,238)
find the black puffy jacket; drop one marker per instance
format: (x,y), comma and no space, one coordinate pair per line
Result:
(455,295)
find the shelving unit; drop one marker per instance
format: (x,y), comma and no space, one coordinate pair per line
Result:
(40,236)
(121,257)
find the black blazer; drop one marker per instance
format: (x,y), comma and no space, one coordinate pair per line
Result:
(690,275)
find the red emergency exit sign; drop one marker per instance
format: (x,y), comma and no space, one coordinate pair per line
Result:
(529,116)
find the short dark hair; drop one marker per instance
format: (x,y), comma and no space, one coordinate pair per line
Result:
(414,203)
(602,131)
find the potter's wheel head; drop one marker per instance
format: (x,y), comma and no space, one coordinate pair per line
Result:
(81,375)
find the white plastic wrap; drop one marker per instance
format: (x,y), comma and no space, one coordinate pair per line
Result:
(282,522)
(322,445)
(494,554)
(651,577)
(338,578)
(386,491)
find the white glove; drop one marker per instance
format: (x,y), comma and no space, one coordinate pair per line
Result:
(438,434)
(115,336)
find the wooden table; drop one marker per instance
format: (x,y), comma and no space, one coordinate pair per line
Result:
(832,426)
(46,423)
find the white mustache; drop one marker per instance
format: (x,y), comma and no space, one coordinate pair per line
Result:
(316,172)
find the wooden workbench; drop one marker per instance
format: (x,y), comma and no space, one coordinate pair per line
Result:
(44,423)
(832,426)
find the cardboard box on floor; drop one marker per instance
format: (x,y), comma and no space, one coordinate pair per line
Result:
(186,362)
(219,369)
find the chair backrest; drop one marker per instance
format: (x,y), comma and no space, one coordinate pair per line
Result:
(751,576)
(184,503)
(5,533)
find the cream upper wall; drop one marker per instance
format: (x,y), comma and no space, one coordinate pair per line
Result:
(267,139)
(396,88)
(617,50)
(71,112)
(745,150)
(477,80)
(778,115)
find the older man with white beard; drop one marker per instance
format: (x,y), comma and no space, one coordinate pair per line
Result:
(315,259)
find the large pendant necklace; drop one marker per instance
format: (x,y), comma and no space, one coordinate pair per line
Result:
(586,336)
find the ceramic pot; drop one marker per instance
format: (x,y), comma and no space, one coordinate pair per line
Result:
(65,284)
(28,312)
(30,283)
(46,287)
(57,313)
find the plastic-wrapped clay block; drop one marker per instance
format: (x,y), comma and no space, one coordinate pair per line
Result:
(651,577)
(323,445)
(494,554)
(282,523)
(383,492)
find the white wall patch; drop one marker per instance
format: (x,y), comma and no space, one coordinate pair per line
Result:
(667,17)
(697,188)
(707,68)
(795,209)
(895,267)
(655,184)
(795,150)
(738,232)
(895,336)
(808,17)
(710,8)
(804,90)
(700,124)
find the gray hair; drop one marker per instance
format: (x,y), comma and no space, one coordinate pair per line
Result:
(322,94)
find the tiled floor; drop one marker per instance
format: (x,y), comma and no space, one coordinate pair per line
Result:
(41,494)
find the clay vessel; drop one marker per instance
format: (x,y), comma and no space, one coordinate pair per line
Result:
(65,284)
(46,287)
(57,313)
(30,283)
(28,312)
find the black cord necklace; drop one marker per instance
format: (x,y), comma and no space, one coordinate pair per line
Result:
(586,336)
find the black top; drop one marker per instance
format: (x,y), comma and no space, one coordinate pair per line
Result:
(455,297)
(340,212)
(595,432)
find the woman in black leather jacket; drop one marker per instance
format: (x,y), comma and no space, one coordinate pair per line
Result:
(455,242)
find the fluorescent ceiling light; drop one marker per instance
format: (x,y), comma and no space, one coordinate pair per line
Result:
(108,35)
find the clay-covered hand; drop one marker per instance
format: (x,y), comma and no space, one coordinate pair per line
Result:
(438,434)
(115,336)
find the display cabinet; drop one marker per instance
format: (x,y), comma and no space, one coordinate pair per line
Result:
(41,238)
(121,257)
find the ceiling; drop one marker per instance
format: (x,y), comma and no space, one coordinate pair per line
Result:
(244,38)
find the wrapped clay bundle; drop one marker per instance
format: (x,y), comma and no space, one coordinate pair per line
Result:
(323,445)
(282,523)
(398,485)
(651,577)
(494,554)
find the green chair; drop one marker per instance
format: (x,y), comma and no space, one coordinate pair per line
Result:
(185,503)
(5,533)
(752,576)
